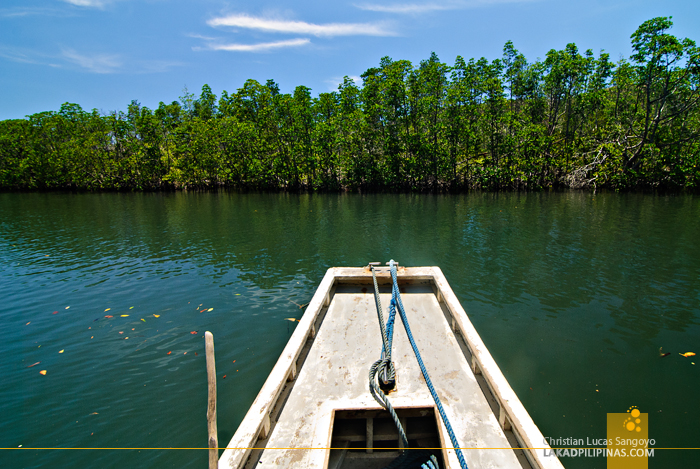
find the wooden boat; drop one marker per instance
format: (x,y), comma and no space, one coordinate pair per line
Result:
(315,409)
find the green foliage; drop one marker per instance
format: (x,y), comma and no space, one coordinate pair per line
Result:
(571,120)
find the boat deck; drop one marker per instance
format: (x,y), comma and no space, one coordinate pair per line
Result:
(335,377)
(324,415)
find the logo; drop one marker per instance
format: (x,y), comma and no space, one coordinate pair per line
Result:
(633,421)
(627,445)
(628,440)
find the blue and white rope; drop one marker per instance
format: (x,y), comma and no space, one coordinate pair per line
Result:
(396,300)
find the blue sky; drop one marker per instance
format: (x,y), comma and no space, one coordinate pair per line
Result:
(104,53)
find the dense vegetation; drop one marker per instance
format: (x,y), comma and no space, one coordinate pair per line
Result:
(571,120)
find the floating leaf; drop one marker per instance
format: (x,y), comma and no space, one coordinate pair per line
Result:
(687,354)
(291,319)
(61,351)
(42,372)
(169,352)
(156,315)
(193,332)
(35,364)
(125,315)
(143,319)
(107,309)
(109,316)
(210,309)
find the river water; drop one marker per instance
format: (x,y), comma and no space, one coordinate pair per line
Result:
(573,294)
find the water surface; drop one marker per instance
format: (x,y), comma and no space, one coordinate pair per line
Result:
(573,293)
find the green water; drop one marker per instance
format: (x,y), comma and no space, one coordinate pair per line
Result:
(572,293)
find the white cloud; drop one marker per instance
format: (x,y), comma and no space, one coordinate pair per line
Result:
(260,47)
(406,7)
(199,36)
(87,3)
(16,54)
(20,12)
(301,27)
(416,8)
(99,63)
(335,82)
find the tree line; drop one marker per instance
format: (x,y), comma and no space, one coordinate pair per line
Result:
(571,120)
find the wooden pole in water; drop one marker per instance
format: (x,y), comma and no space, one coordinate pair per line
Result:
(211,409)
